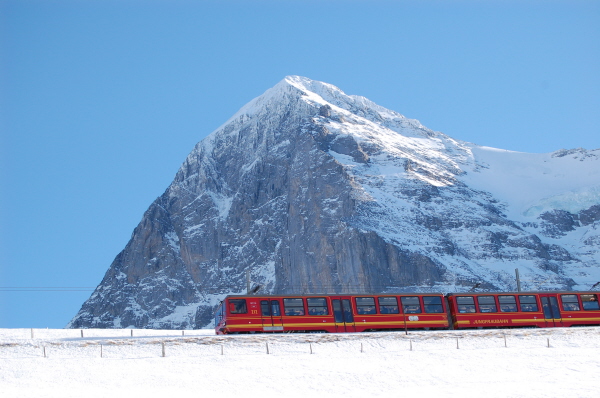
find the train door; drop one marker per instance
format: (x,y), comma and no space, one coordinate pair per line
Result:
(271,315)
(551,310)
(342,314)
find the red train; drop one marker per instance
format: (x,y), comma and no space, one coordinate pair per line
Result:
(387,312)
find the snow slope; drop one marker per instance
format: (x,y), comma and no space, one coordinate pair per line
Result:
(350,365)
(531,183)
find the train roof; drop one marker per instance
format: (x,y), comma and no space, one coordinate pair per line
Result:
(408,293)
(330,295)
(522,293)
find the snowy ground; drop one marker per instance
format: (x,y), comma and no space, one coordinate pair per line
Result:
(350,365)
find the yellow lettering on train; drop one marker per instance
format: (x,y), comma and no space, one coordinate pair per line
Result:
(490,321)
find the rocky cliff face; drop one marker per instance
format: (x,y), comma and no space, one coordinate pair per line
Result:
(315,191)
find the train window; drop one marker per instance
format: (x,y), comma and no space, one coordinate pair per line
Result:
(590,302)
(433,304)
(275,308)
(365,305)
(570,302)
(388,305)
(507,303)
(264,306)
(317,306)
(465,304)
(528,303)
(487,304)
(411,305)
(237,306)
(293,306)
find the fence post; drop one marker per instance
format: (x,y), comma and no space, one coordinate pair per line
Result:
(310,344)
(267,343)
(131,332)
(44,351)
(221,349)
(32,333)
(81,333)
(410,344)
(457,343)
(163,349)
(548,342)
(100,350)
(361,347)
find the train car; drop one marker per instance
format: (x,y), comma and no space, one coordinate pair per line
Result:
(330,313)
(523,309)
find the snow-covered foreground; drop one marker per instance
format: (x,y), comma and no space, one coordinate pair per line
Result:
(112,363)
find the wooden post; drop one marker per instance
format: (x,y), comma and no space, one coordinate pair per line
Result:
(247,281)
(131,332)
(548,342)
(410,345)
(81,333)
(267,343)
(163,349)
(310,344)
(457,343)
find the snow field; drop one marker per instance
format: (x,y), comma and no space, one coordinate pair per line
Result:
(353,365)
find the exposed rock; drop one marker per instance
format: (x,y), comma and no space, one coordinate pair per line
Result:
(589,216)
(557,223)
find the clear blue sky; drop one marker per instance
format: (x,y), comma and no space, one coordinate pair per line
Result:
(101,101)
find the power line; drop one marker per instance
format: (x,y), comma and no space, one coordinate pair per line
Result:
(46,289)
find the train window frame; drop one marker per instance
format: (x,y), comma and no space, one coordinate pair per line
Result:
(528,303)
(219,314)
(275,307)
(365,305)
(238,306)
(587,300)
(265,308)
(507,305)
(289,305)
(388,307)
(570,302)
(431,306)
(411,308)
(487,307)
(468,307)
(317,308)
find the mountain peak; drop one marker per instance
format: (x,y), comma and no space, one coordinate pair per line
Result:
(325,90)
(316,95)
(315,91)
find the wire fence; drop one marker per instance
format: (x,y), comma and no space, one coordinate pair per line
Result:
(92,343)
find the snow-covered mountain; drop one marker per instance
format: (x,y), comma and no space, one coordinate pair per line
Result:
(311,190)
